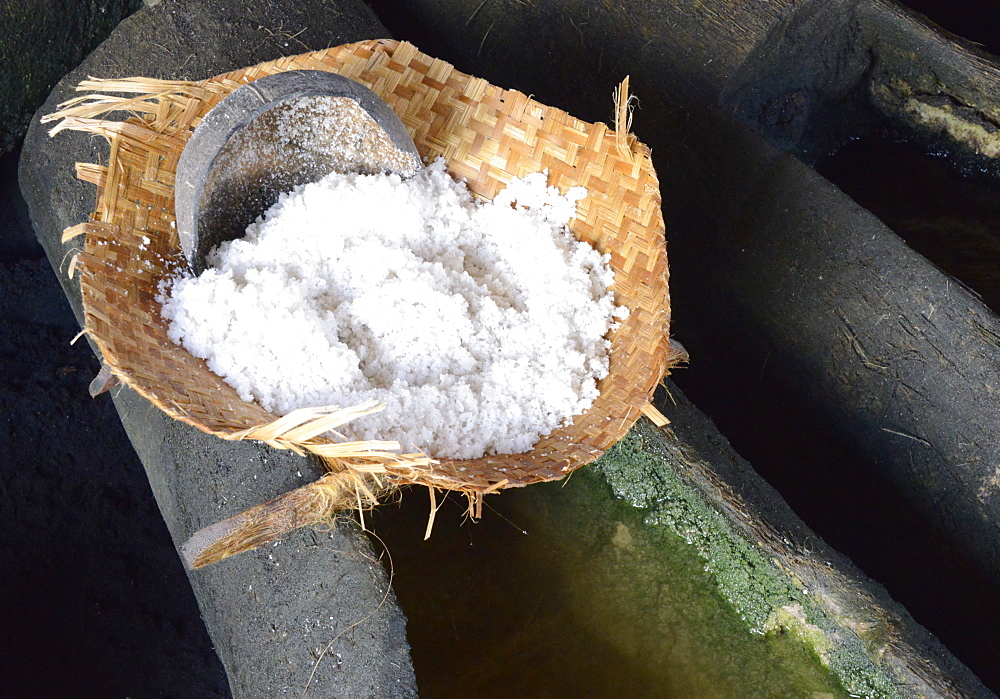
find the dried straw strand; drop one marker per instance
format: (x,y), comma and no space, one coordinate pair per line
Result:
(309,505)
(307,423)
(624,108)
(657,418)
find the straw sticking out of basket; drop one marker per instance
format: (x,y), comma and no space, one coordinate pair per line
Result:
(309,505)
(624,108)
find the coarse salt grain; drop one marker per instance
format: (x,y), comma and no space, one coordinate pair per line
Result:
(480,325)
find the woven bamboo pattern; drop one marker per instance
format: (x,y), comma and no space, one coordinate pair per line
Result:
(487,135)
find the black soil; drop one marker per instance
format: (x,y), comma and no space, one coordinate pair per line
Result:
(95,601)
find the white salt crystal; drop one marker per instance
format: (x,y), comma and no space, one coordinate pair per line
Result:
(479,324)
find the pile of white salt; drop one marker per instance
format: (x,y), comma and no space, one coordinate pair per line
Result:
(480,325)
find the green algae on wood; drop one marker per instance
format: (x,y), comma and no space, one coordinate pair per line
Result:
(776,586)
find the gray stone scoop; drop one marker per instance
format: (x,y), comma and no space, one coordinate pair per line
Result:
(272,135)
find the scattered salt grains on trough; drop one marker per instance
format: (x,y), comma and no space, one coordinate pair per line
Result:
(480,325)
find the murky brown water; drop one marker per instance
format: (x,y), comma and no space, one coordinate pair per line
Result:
(562,591)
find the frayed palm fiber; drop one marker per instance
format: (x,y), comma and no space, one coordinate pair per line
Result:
(488,136)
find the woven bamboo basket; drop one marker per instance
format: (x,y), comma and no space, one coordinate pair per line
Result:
(487,135)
